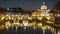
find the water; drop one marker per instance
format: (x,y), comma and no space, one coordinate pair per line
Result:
(27,31)
(58,31)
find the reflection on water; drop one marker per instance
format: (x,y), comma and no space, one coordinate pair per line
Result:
(58,32)
(27,31)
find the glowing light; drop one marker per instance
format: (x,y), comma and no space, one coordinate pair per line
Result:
(25,28)
(8,24)
(58,31)
(39,25)
(17,24)
(34,27)
(49,22)
(25,23)
(12,15)
(7,27)
(38,10)
(40,18)
(43,6)
(30,25)
(25,15)
(16,15)
(45,14)
(7,15)
(48,18)
(30,18)
(21,25)
(16,28)
(6,18)
(8,9)
(2,18)
(19,17)
(44,28)
(58,14)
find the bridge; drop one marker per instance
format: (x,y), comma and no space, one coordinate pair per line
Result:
(42,22)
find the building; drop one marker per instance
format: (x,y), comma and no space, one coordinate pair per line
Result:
(44,8)
(41,18)
(57,8)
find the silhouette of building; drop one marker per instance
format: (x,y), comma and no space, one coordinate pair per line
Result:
(2,11)
(57,8)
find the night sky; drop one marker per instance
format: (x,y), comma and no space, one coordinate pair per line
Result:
(27,4)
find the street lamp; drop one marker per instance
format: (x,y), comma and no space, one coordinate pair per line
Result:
(58,32)
(34,28)
(7,25)
(16,25)
(43,28)
(25,23)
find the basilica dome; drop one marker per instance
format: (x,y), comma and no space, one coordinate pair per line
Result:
(43,6)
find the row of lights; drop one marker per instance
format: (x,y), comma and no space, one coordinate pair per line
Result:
(19,18)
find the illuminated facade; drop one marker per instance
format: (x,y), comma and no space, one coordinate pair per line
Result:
(44,8)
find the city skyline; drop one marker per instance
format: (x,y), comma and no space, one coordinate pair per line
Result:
(27,4)
(29,16)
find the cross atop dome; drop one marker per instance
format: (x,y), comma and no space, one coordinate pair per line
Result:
(43,3)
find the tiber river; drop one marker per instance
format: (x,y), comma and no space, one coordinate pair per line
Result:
(27,31)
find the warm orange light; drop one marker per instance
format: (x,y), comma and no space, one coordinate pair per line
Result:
(39,18)
(39,25)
